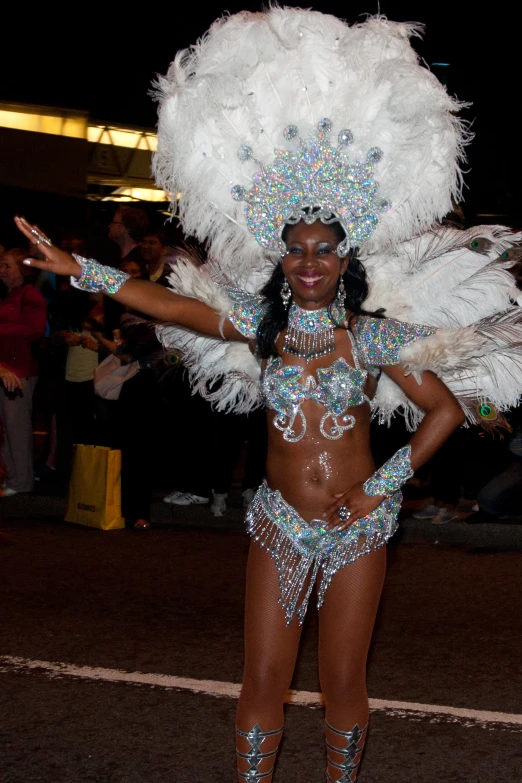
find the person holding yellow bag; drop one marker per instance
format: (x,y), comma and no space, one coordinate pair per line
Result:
(135,405)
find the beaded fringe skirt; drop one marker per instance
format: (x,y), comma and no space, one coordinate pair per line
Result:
(305,552)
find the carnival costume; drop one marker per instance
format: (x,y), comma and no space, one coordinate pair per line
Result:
(293,115)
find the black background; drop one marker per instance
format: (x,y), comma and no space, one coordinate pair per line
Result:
(104,57)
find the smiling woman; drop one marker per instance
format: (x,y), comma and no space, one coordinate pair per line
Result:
(369,159)
(299,268)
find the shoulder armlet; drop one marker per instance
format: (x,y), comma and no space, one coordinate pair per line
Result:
(247,311)
(380,340)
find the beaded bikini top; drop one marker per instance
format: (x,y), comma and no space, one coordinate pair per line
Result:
(375,342)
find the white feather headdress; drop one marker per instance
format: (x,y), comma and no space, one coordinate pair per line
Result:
(251,78)
(254,74)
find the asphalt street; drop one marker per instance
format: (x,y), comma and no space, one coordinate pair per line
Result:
(444,677)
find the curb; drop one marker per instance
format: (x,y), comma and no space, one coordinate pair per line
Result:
(506,535)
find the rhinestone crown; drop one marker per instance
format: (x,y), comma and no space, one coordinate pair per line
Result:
(312,180)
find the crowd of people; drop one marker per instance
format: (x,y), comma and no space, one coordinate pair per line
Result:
(57,340)
(101,378)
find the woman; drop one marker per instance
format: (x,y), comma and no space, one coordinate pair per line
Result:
(328,93)
(23,314)
(320,477)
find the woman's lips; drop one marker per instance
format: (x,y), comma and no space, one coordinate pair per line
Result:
(310,280)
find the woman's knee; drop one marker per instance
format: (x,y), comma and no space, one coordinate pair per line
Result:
(265,683)
(343,685)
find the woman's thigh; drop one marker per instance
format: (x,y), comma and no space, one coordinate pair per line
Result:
(346,622)
(270,645)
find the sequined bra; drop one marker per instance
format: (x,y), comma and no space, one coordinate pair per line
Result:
(337,388)
(376,342)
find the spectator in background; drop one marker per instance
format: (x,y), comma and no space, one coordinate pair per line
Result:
(136,410)
(137,269)
(23,315)
(501,496)
(127,229)
(446,482)
(154,249)
(3,469)
(51,385)
(72,314)
(74,240)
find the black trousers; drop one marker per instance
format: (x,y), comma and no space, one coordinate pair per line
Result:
(137,419)
(229,433)
(74,421)
(204,445)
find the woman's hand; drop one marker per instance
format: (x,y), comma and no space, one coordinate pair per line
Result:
(88,343)
(11,381)
(356,501)
(71,339)
(55,260)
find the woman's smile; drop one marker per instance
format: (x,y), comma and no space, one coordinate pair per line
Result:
(310,279)
(311,264)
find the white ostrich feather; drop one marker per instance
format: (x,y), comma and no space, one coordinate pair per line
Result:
(223,372)
(253,74)
(460,282)
(440,279)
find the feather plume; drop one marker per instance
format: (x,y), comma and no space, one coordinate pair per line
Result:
(225,373)
(253,74)
(459,281)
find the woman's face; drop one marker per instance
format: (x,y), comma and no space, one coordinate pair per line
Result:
(311,264)
(131,268)
(10,271)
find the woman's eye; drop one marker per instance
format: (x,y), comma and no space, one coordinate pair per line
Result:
(324,250)
(295,250)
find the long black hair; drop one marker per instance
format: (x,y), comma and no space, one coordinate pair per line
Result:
(276,317)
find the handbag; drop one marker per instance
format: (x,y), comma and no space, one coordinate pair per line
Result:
(94,496)
(110,375)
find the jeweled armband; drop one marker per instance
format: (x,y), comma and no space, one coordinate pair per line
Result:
(97,277)
(391,476)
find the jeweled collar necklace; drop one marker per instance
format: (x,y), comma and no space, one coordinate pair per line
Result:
(310,333)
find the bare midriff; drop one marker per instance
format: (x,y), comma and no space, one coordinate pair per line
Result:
(310,472)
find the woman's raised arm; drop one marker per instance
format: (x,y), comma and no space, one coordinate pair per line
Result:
(148,298)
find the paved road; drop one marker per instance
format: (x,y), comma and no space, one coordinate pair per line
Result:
(169,602)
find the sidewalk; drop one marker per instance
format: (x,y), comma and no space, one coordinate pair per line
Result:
(40,506)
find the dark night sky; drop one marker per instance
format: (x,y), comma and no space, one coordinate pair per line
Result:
(105,64)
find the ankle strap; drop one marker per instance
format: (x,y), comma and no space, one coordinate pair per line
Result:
(349,765)
(256,737)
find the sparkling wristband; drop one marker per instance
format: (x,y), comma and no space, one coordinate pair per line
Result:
(97,277)
(392,475)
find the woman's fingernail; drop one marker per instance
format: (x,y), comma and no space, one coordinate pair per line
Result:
(27,261)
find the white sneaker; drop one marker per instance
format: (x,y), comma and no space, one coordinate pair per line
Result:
(248,496)
(7,492)
(173,495)
(186,499)
(428,512)
(444,516)
(219,504)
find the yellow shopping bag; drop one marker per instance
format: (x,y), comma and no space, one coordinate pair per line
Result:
(95,489)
